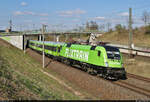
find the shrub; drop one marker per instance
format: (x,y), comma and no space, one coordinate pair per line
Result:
(147,29)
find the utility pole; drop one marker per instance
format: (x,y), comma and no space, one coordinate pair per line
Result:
(10,25)
(25,43)
(43,31)
(130,31)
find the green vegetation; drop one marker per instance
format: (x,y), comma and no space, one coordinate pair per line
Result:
(21,77)
(147,29)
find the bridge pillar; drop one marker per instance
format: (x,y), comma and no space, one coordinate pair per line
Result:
(66,37)
(40,37)
(57,38)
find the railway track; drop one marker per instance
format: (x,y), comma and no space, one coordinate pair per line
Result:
(134,88)
(138,77)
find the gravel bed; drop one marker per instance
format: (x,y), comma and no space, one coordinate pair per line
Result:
(138,83)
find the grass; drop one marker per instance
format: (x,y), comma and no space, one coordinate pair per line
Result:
(22,78)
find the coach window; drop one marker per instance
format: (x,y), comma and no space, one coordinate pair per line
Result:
(55,49)
(58,49)
(99,53)
(41,46)
(32,44)
(50,48)
(47,47)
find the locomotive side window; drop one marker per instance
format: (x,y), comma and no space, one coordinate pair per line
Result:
(99,53)
(69,45)
(58,49)
(93,48)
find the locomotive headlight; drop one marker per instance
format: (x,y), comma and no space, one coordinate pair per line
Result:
(106,63)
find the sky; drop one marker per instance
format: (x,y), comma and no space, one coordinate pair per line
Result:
(68,14)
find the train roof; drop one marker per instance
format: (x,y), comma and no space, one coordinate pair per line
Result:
(49,42)
(111,48)
(79,46)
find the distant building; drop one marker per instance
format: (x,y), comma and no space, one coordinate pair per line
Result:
(8,30)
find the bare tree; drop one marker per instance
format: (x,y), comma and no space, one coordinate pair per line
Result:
(102,27)
(146,17)
(91,26)
(108,25)
(87,26)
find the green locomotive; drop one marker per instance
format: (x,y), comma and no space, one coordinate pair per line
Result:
(103,60)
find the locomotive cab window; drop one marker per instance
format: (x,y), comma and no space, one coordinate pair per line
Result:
(112,52)
(113,55)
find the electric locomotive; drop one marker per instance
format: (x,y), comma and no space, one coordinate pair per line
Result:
(103,60)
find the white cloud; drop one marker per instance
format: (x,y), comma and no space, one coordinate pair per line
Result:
(19,13)
(43,18)
(43,14)
(124,14)
(28,21)
(29,13)
(115,20)
(70,13)
(23,4)
(99,18)
(44,22)
(75,20)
